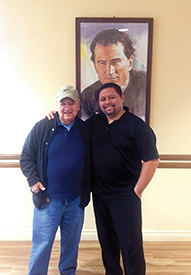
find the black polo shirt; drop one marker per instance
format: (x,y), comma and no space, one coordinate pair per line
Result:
(118,150)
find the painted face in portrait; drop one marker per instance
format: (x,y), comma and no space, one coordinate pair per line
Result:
(111,64)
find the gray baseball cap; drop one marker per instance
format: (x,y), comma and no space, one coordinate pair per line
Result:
(67,91)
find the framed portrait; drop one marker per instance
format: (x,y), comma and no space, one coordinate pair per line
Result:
(117,50)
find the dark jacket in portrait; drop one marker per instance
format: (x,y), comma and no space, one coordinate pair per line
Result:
(135,96)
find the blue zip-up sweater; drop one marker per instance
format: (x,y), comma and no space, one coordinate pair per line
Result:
(33,159)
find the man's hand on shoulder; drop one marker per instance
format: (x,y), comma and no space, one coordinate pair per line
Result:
(50,115)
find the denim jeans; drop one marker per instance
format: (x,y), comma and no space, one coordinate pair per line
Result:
(69,216)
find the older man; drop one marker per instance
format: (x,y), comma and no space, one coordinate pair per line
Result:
(56,161)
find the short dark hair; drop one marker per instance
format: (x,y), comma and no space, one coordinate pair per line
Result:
(108,85)
(112,36)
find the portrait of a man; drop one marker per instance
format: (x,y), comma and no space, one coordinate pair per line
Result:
(117,55)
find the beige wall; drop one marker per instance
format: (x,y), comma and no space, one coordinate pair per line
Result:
(37,56)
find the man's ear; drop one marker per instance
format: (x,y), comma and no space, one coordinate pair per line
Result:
(122,97)
(131,58)
(78,105)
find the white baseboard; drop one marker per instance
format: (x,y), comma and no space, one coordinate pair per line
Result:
(149,236)
(166,236)
(25,235)
(91,235)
